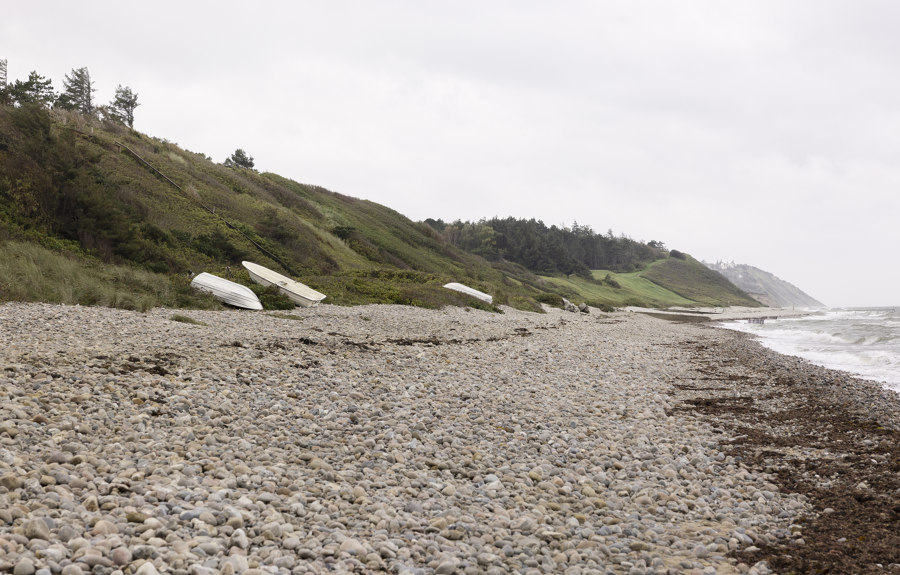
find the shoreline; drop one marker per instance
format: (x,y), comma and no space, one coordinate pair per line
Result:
(721,314)
(395,439)
(829,435)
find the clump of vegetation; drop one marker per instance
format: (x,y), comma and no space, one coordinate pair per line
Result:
(186,319)
(240,159)
(550,299)
(271,298)
(611,282)
(31,272)
(602,306)
(549,250)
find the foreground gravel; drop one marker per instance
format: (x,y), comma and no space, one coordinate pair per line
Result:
(365,440)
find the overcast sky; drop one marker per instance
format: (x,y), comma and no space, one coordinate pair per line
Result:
(764,132)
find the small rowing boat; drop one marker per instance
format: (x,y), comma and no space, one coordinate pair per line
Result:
(470,291)
(299,293)
(227,291)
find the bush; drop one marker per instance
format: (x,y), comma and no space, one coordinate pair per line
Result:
(604,307)
(343,232)
(185,319)
(271,298)
(550,299)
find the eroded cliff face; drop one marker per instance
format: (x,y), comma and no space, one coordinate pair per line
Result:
(763,286)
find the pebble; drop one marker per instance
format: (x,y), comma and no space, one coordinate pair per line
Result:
(366,439)
(36,529)
(24,567)
(121,556)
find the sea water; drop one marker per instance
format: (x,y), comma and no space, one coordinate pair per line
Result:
(861,341)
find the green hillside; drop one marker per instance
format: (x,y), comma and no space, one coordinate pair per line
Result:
(92,212)
(664,283)
(690,279)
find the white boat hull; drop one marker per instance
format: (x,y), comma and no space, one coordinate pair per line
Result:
(300,294)
(470,291)
(227,291)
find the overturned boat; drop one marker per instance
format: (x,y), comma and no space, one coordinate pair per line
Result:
(470,291)
(299,293)
(227,291)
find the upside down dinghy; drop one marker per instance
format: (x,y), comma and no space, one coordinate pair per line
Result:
(470,291)
(227,291)
(299,293)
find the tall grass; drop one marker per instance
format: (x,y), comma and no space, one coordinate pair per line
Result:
(29,272)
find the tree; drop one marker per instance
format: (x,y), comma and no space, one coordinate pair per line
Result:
(78,92)
(35,90)
(240,159)
(123,105)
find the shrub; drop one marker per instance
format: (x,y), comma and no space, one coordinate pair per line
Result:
(271,298)
(343,232)
(551,299)
(186,319)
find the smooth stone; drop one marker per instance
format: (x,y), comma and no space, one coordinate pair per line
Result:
(446,567)
(24,567)
(147,568)
(66,533)
(91,560)
(11,482)
(104,527)
(319,463)
(121,556)
(353,547)
(238,563)
(240,539)
(36,529)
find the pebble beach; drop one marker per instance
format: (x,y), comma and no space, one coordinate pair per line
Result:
(372,439)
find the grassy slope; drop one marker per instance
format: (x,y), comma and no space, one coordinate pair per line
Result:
(634,290)
(30,272)
(664,283)
(692,280)
(133,217)
(129,222)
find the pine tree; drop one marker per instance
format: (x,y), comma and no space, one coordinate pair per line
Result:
(123,105)
(240,159)
(78,92)
(35,90)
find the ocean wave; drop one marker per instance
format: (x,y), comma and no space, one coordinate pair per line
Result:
(865,342)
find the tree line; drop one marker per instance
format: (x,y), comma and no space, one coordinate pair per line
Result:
(77,94)
(549,250)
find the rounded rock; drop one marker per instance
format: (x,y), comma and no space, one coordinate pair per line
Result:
(24,567)
(36,529)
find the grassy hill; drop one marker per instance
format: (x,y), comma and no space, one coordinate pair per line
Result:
(664,283)
(94,213)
